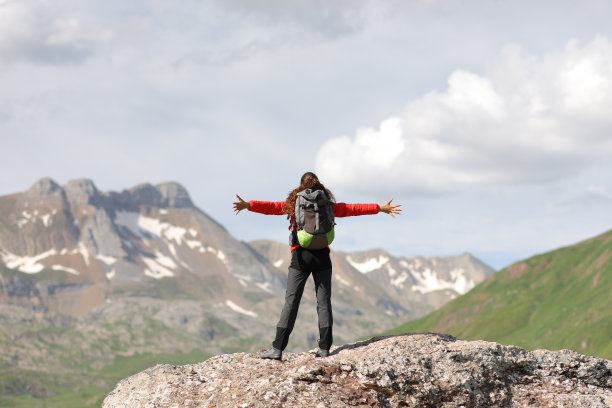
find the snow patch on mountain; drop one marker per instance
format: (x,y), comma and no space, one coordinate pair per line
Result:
(46,219)
(238,309)
(220,255)
(400,279)
(415,264)
(27,217)
(242,279)
(143,226)
(81,249)
(342,280)
(140,225)
(428,281)
(32,264)
(65,269)
(165,260)
(155,268)
(172,233)
(26,264)
(368,265)
(203,249)
(177,258)
(266,287)
(108,260)
(462,283)
(195,245)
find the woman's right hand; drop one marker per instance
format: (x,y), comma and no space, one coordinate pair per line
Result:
(240,205)
(392,210)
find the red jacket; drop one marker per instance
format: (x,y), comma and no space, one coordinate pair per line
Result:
(340,209)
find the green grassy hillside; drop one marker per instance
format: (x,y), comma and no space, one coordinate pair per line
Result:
(558,300)
(87,389)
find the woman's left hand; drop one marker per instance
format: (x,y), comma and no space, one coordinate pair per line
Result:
(392,210)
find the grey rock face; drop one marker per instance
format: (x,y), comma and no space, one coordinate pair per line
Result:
(414,370)
(100,235)
(174,195)
(165,195)
(44,187)
(144,194)
(81,192)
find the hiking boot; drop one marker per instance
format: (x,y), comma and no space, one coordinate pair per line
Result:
(273,354)
(322,353)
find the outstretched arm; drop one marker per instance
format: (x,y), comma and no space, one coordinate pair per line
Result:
(350,210)
(392,210)
(262,207)
(240,205)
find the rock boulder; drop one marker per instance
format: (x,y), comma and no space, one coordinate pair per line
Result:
(413,370)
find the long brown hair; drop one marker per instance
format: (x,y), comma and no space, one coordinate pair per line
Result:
(308,180)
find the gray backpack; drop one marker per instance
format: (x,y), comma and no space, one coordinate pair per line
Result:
(314,217)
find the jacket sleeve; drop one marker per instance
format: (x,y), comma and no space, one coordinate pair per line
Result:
(349,210)
(267,207)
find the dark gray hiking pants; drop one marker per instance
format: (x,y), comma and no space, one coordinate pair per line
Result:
(303,263)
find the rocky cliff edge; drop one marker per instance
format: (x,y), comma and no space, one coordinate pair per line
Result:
(413,370)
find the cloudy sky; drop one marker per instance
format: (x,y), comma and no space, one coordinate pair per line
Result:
(489,121)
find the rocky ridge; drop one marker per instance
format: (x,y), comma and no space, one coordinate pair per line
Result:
(418,283)
(414,370)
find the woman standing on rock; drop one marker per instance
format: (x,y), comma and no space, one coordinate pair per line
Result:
(304,258)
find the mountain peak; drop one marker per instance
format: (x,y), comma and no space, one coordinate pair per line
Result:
(174,195)
(81,191)
(44,187)
(170,194)
(145,194)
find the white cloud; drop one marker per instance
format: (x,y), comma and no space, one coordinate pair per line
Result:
(43,32)
(264,27)
(528,120)
(318,17)
(587,198)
